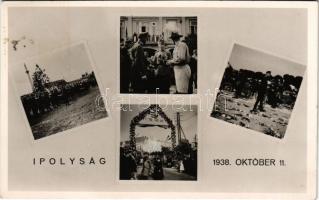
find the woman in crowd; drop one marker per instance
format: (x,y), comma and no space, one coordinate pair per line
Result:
(180,65)
(146,168)
(181,167)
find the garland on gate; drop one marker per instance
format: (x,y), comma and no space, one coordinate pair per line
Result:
(142,115)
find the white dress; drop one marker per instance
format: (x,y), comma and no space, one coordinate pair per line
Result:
(183,71)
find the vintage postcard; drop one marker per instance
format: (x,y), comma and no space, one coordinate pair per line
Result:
(136,99)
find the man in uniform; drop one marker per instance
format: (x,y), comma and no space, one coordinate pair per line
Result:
(262,91)
(139,64)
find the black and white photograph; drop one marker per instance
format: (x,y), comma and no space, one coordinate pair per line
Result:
(158,142)
(115,86)
(158,55)
(59,91)
(258,91)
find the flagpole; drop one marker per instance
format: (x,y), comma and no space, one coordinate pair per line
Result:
(28,74)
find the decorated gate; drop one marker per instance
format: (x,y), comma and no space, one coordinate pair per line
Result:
(152,109)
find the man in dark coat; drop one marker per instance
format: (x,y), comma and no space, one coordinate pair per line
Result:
(139,64)
(158,173)
(262,91)
(124,170)
(125,67)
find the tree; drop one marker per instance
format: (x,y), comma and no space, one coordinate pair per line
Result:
(39,78)
(297,81)
(183,148)
(166,150)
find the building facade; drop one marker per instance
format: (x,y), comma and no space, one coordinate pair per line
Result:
(157,27)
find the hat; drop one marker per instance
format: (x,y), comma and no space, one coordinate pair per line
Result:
(143,35)
(175,35)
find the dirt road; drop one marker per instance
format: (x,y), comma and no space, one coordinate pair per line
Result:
(81,110)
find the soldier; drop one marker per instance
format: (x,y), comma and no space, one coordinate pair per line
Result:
(262,91)
(139,64)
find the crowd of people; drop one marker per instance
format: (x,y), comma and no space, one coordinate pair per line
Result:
(53,94)
(274,90)
(164,72)
(152,165)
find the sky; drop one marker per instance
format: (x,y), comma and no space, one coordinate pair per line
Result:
(67,63)
(250,59)
(188,122)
